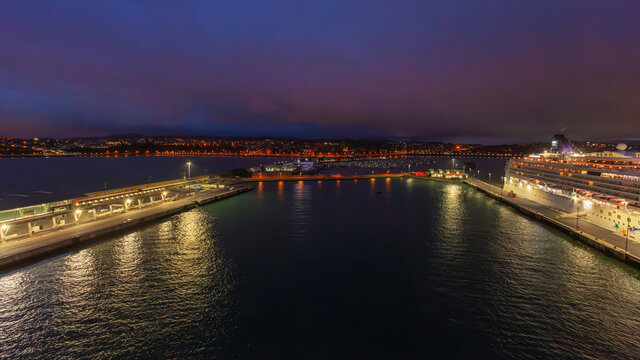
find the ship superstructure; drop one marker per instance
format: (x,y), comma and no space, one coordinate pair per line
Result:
(603,187)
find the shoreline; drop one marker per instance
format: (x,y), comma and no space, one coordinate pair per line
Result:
(492,156)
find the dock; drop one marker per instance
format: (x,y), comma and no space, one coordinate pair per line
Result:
(276,178)
(605,240)
(31,246)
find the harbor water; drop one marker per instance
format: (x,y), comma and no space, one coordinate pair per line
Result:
(31,181)
(372,269)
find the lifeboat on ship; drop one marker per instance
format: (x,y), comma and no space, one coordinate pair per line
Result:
(614,200)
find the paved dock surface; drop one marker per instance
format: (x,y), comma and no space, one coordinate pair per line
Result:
(323,177)
(585,227)
(12,250)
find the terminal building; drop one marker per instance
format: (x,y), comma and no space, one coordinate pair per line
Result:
(31,220)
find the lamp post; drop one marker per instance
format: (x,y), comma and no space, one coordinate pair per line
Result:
(578,209)
(489,178)
(626,243)
(453,163)
(189,174)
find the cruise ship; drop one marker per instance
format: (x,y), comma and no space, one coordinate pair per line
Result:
(601,187)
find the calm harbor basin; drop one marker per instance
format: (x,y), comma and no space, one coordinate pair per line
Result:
(349,269)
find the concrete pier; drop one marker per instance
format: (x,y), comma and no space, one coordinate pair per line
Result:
(593,235)
(323,177)
(30,248)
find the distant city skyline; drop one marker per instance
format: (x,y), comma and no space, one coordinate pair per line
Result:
(142,145)
(458,71)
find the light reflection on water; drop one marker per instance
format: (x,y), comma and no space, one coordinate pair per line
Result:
(260,190)
(369,269)
(154,286)
(301,217)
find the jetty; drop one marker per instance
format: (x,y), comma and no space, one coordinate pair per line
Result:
(605,240)
(34,232)
(433,175)
(334,177)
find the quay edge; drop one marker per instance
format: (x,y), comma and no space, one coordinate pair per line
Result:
(44,250)
(592,241)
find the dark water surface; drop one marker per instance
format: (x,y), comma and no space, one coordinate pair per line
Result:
(383,269)
(31,181)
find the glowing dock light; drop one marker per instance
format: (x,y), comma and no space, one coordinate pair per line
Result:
(4,229)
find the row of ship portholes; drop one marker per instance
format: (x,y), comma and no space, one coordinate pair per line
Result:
(593,213)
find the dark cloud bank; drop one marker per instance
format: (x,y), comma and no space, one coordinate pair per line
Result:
(483,71)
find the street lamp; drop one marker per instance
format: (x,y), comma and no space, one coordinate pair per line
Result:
(189,174)
(453,163)
(577,199)
(626,243)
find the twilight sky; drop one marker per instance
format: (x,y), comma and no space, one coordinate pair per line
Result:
(483,71)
